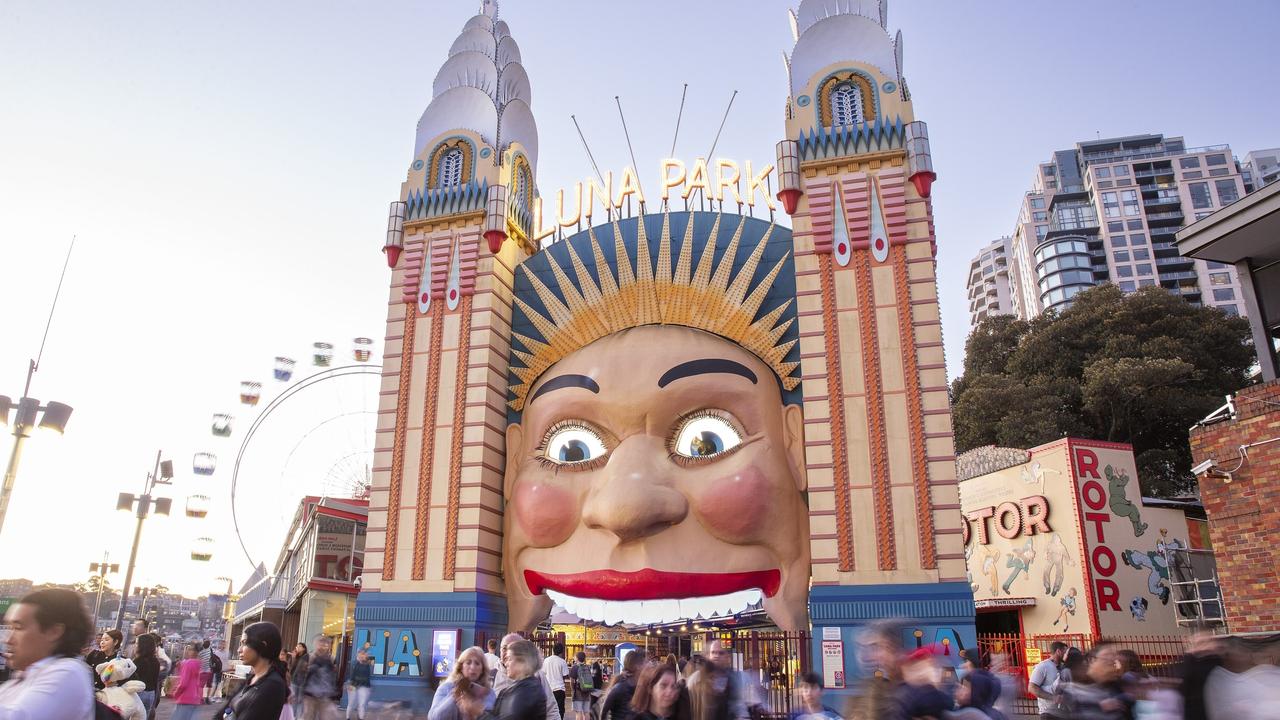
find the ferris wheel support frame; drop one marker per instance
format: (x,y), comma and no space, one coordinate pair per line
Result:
(276,402)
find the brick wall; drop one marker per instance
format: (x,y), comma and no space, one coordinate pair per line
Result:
(1244,515)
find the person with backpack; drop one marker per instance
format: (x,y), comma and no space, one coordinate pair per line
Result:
(584,683)
(215,675)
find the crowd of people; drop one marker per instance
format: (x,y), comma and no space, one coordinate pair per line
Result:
(63,673)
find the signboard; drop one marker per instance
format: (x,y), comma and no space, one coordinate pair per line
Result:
(1034,656)
(830,633)
(1004,603)
(444,651)
(833,664)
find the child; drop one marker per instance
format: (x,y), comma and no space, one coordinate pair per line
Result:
(810,701)
(189,692)
(119,691)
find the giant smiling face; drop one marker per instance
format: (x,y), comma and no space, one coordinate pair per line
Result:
(655,475)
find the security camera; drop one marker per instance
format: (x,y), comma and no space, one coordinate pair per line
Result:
(1204,467)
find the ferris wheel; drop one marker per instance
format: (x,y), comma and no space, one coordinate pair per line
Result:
(308,432)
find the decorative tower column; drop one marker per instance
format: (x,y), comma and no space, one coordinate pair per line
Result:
(454,237)
(884,506)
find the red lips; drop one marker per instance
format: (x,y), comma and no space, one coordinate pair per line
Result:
(651,584)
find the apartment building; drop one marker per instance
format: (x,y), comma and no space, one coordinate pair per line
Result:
(988,283)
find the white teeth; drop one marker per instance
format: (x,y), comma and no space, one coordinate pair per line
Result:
(648,612)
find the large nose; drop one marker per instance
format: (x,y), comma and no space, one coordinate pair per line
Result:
(635,498)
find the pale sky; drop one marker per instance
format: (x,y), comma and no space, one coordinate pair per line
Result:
(227,169)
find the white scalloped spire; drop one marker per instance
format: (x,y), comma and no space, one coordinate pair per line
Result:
(482,87)
(828,31)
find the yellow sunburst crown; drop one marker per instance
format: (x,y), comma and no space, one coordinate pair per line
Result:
(710,296)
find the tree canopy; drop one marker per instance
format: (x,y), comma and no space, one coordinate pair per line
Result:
(1140,368)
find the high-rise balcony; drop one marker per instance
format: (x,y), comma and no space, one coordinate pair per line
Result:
(1165,218)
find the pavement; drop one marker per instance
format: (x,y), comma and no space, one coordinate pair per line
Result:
(164,711)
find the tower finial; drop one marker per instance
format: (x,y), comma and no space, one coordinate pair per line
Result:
(490,8)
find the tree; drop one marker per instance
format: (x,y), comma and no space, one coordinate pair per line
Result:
(1139,368)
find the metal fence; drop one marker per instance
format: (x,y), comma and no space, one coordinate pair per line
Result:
(1008,654)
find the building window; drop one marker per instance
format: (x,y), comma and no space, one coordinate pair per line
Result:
(1115,226)
(451,168)
(1220,278)
(1102,172)
(1124,183)
(1110,206)
(1041,231)
(1200,195)
(1117,241)
(1137,239)
(1124,271)
(1037,203)
(1223,294)
(1192,175)
(1189,162)
(1219,159)
(1219,172)
(1229,309)
(1130,198)
(1040,216)
(846,104)
(1217,265)
(1141,254)
(1144,268)
(1120,256)
(1135,224)
(1146,282)
(1121,170)
(1128,286)
(1227,192)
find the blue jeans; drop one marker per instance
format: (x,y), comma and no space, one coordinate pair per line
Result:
(148,698)
(186,712)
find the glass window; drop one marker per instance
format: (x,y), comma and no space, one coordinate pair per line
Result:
(1144,268)
(1141,254)
(1219,172)
(1130,198)
(1217,265)
(1146,282)
(1219,278)
(1117,241)
(846,104)
(1128,286)
(451,168)
(1041,231)
(1037,203)
(1219,159)
(1227,192)
(1040,216)
(1220,294)
(1229,309)
(1104,184)
(1120,256)
(1192,175)
(1121,170)
(1110,205)
(1134,224)
(1124,271)
(1189,162)
(1115,226)
(1200,195)
(1102,172)
(1138,239)
(1123,183)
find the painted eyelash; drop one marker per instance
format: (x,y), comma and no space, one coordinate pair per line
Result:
(674,434)
(540,452)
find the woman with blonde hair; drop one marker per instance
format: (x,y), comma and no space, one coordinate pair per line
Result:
(465,694)
(524,698)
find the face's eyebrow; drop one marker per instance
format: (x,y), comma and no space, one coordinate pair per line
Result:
(702,367)
(566,381)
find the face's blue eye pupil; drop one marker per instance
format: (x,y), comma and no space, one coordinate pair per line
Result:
(574,451)
(706,443)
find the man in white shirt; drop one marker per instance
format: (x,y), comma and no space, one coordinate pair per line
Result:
(492,661)
(555,669)
(47,630)
(502,681)
(1043,682)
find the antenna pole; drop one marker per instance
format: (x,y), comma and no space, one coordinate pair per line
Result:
(630,150)
(679,115)
(35,364)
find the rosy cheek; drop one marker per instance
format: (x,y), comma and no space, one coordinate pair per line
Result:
(547,514)
(736,507)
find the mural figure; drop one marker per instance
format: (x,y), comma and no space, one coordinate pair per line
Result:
(655,463)
(1056,555)
(1156,563)
(1120,504)
(1020,561)
(991,568)
(1138,608)
(968,569)
(1068,610)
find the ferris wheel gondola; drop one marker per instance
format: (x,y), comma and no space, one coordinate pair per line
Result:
(363,349)
(202,549)
(204,463)
(198,506)
(222,425)
(322,354)
(283,369)
(250,391)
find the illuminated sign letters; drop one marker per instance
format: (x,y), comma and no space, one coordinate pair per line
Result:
(394,652)
(1028,516)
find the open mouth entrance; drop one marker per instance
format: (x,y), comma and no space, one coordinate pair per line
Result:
(647,597)
(647,612)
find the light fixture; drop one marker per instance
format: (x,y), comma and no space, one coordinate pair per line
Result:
(55,417)
(124,501)
(5,405)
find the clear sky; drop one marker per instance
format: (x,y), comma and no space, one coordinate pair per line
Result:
(227,168)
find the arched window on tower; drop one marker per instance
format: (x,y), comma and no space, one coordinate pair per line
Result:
(451,168)
(846,105)
(521,187)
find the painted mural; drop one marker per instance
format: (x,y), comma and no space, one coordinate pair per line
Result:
(1022,543)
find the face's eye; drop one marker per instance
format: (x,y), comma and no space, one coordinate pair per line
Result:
(705,435)
(572,443)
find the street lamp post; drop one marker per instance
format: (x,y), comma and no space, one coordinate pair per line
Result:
(162,475)
(100,571)
(30,414)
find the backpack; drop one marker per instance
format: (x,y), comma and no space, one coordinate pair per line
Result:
(215,664)
(585,681)
(102,711)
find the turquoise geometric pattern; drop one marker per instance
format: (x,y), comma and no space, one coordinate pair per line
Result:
(851,139)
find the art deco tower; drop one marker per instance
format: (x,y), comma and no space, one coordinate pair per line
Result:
(856,178)
(459,228)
